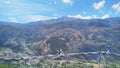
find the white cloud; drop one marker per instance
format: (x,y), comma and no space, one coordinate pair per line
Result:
(116,7)
(105,16)
(55,17)
(99,5)
(37,17)
(95,17)
(12,19)
(80,16)
(67,2)
(90,17)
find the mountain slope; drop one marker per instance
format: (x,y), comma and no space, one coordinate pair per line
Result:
(69,34)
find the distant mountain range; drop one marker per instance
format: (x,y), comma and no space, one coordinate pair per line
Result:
(69,34)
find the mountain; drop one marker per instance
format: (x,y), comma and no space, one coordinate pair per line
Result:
(66,33)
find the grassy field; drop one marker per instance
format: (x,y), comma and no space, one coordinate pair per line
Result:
(64,64)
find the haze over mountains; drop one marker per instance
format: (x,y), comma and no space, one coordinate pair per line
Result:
(66,33)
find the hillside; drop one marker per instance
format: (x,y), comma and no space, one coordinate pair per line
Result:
(68,34)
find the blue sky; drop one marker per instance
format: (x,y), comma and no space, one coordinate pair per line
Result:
(24,11)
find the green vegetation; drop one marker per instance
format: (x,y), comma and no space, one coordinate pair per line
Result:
(6,66)
(112,65)
(63,64)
